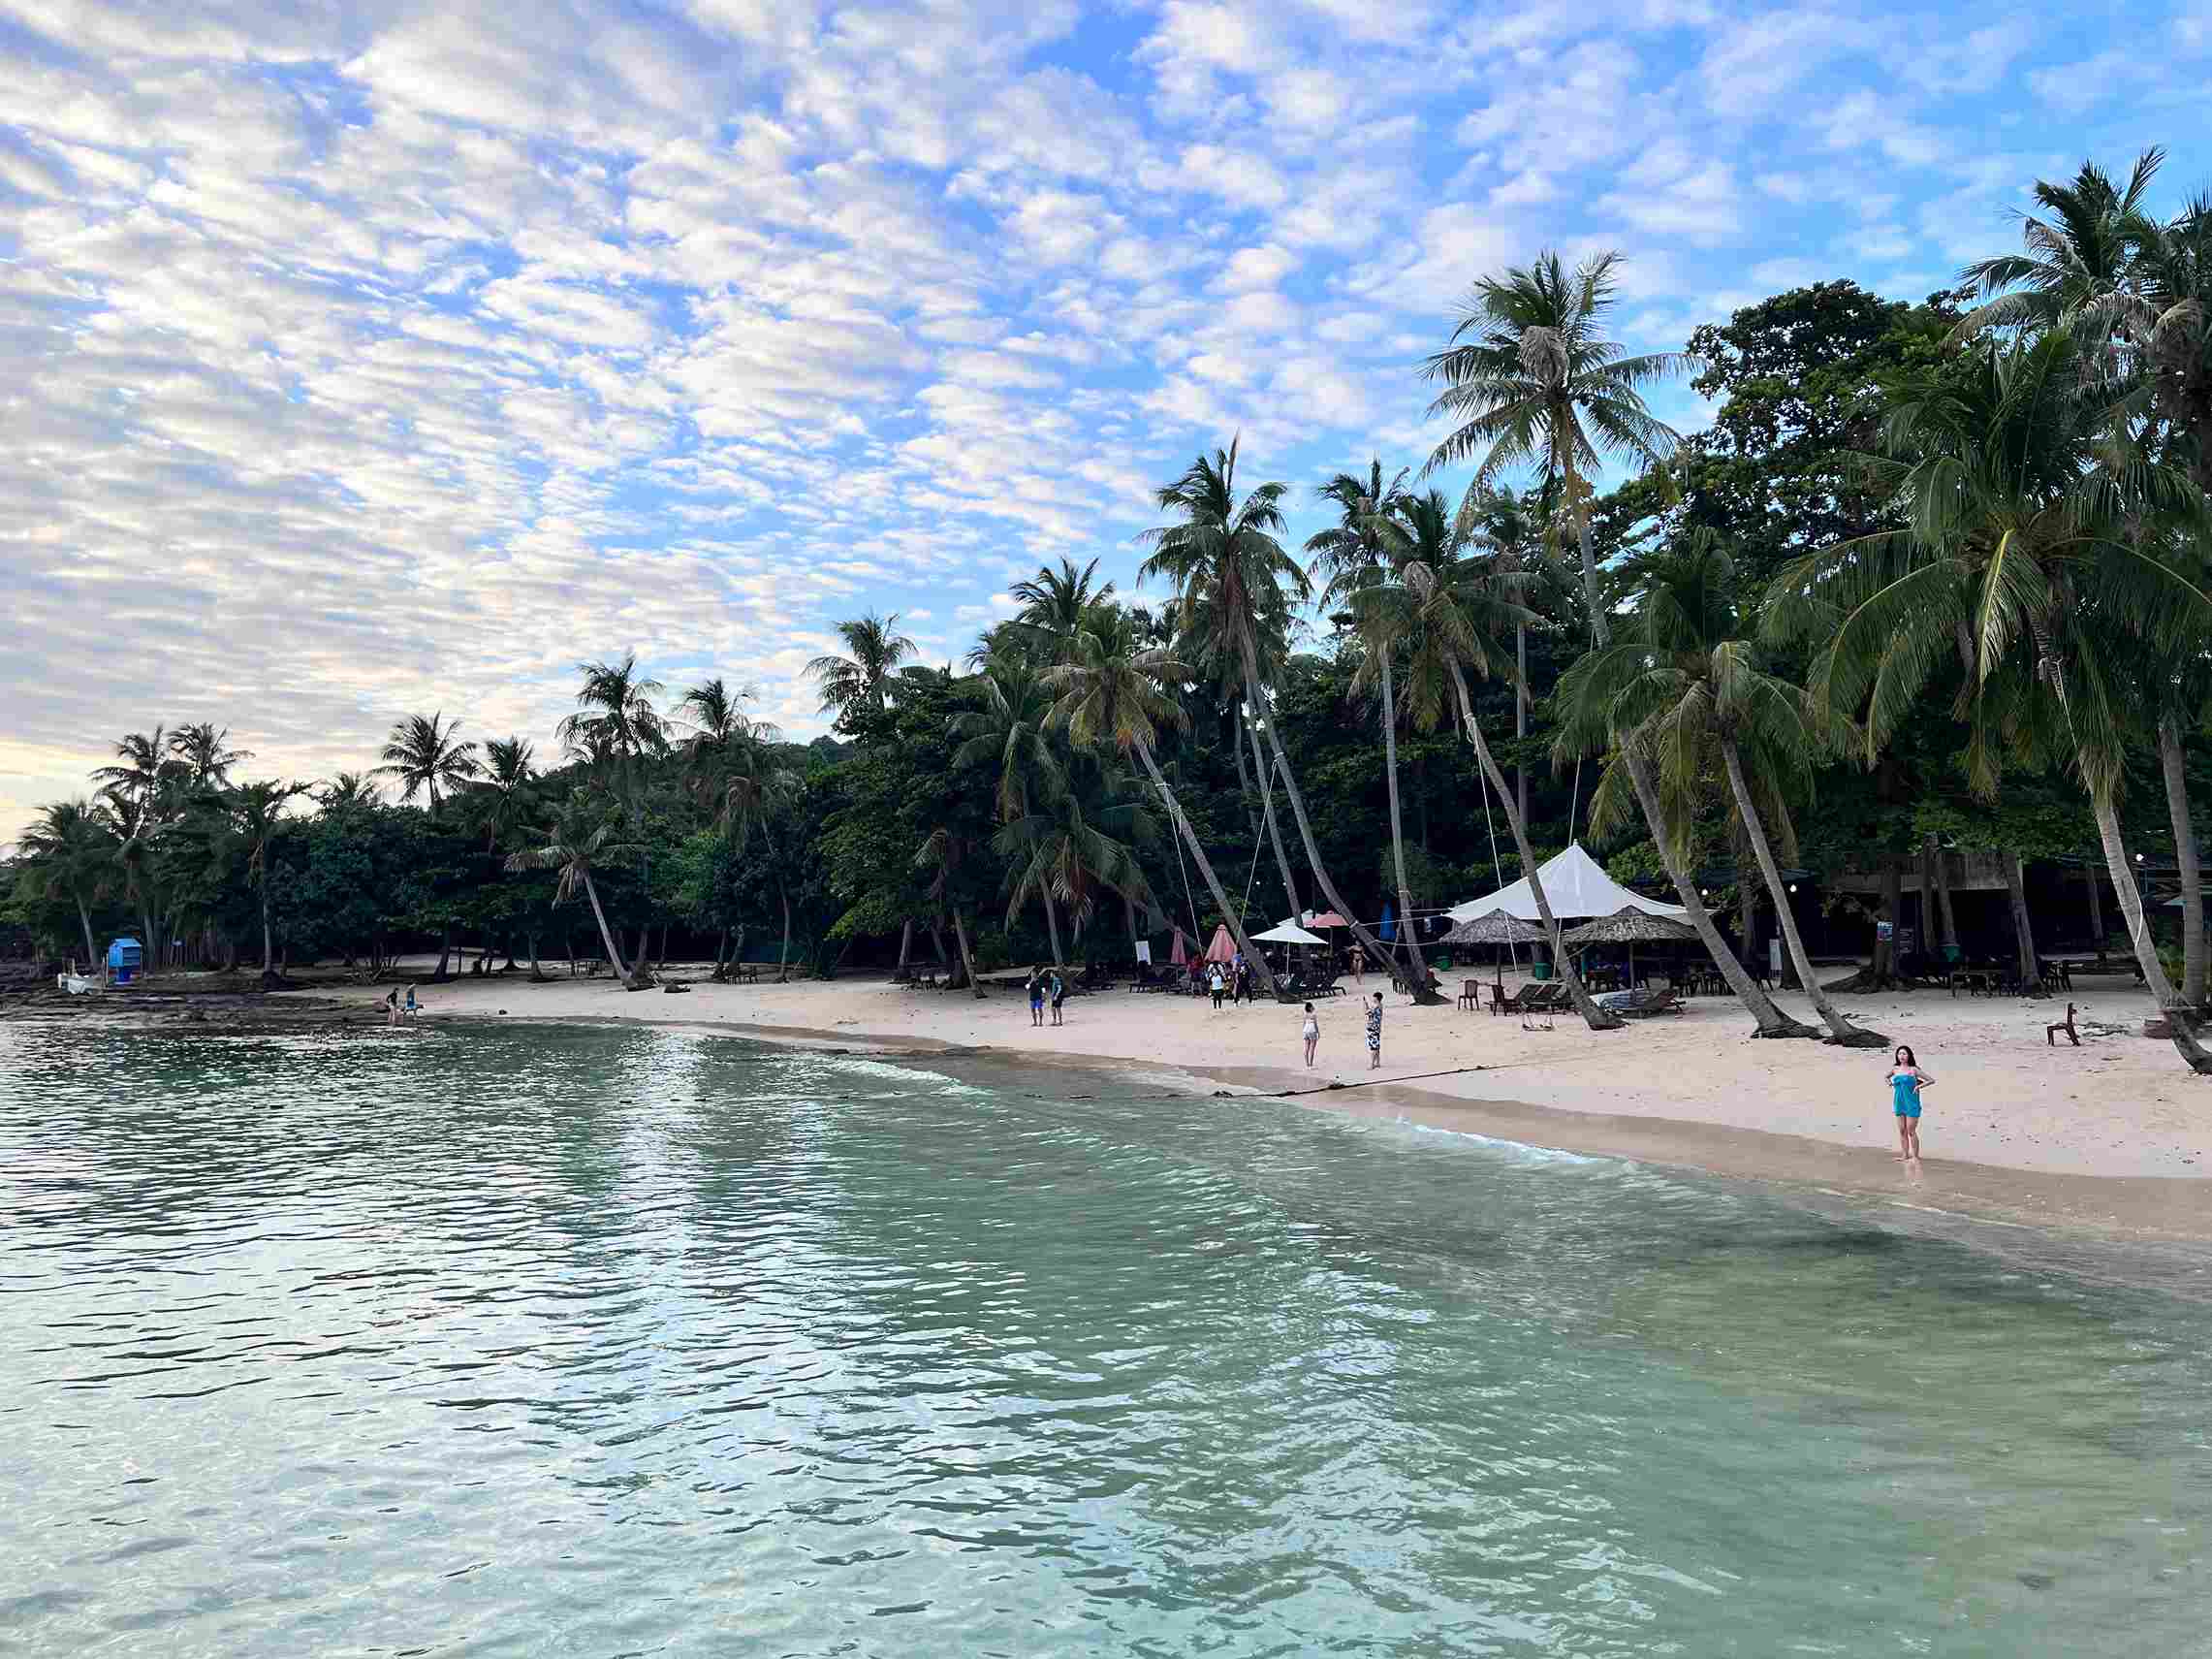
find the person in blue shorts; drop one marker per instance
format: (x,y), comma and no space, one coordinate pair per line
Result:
(1037,996)
(1906,1081)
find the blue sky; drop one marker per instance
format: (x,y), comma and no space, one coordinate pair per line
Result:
(364,360)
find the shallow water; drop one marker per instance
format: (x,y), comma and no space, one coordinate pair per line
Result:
(534,1340)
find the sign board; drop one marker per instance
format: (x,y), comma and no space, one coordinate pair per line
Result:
(1145,951)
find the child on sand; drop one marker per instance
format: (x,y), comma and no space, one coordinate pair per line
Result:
(1906,1081)
(1312,1032)
(1375,1034)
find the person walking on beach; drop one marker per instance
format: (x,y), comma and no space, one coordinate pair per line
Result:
(1906,1081)
(1375,1034)
(1311,1031)
(1359,965)
(413,1008)
(1060,994)
(392,1007)
(1037,996)
(1214,984)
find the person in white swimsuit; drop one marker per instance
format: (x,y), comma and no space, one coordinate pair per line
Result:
(1312,1032)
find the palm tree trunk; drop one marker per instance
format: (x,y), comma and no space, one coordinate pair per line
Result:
(606,933)
(268,946)
(1841,1031)
(1273,825)
(2027,965)
(1771,1020)
(784,956)
(1944,902)
(84,920)
(967,956)
(1593,1016)
(1416,970)
(906,946)
(1260,970)
(2192,957)
(1883,967)
(2096,908)
(536,973)
(937,943)
(2139,935)
(1052,923)
(445,950)
(1521,716)
(151,954)
(1367,940)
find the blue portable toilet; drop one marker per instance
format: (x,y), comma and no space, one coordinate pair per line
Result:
(124,959)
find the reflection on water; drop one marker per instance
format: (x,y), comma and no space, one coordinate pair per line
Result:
(613,1342)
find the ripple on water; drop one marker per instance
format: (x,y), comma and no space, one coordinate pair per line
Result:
(623,1341)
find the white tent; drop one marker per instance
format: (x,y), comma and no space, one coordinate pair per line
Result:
(1285,934)
(1574,885)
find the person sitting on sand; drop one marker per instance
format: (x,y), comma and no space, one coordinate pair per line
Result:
(1375,1034)
(1311,1031)
(1037,996)
(1906,1081)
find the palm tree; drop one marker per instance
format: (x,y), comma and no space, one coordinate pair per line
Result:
(1680,684)
(730,766)
(346,790)
(1064,850)
(508,774)
(255,811)
(1056,605)
(1507,529)
(143,767)
(1223,560)
(578,842)
(207,759)
(1532,377)
(1360,556)
(69,851)
(1466,603)
(1109,693)
(945,854)
(421,754)
(2033,563)
(1006,731)
(139,840)
(2074,267)
(864,680)
(616,728)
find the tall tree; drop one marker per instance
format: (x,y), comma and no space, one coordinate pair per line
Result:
(143,765)
(1681,684)
(1531,378)
(422,753)
(70,853)
(866,677)
(507,777)
(256,810)
(1055,605)
(1359,559)
(581,839)
(2034,564)
(1005,731)
(205,755)
(616,729)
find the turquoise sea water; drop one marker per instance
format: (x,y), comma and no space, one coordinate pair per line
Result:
(570,1341)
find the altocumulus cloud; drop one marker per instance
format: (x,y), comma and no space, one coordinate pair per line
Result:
(364,360)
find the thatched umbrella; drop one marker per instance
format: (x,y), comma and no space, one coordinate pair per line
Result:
(1497,927)
(1629,926)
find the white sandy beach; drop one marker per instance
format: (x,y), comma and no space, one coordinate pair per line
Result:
(2115,1135)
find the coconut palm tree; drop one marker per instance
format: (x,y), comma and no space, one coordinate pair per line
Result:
(1508,530)
(422,753)
(1070,852)
(728,758)
(1054,606)
(1467,605)
(1531,378)
(138,832)
(945,854)
(1221,556)
(346,790)
(1005,730)
(68,852)
(505,793)
(207,755)
(1110,693)
(616,728)
(2074,267)
(1680,683)
(255,811)
(2033,561)
(143,767)
(1359,558)
(865,679)
(581,840)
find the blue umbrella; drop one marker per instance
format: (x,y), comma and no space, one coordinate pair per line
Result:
(1389,931)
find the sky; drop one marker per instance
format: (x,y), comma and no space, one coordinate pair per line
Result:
(366,360)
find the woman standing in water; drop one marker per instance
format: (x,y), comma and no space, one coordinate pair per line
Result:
(1906,1081)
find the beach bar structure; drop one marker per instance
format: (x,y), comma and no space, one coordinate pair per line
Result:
(126,959)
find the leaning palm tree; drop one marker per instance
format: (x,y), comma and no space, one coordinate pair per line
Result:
(1359,557)
(68,852)
(865,679)
(1070,852)
(1681,684)
(422,753)
(1531,378)
(2031,562)
(579,840)
(1221,556)
(1466,606)
(1110,693)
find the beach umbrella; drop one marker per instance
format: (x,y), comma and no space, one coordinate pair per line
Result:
(1327,918)
(1178,953)
(1626,927)
(1496,928)
(1222,946)
(1286,933)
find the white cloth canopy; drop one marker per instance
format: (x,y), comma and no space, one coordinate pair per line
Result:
(1286,933)
(1574,885)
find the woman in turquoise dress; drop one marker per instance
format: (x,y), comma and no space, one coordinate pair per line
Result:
(1906,1081)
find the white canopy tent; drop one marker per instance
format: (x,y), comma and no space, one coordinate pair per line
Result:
(1574,885)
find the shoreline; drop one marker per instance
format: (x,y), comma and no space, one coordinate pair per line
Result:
(2101,1143)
